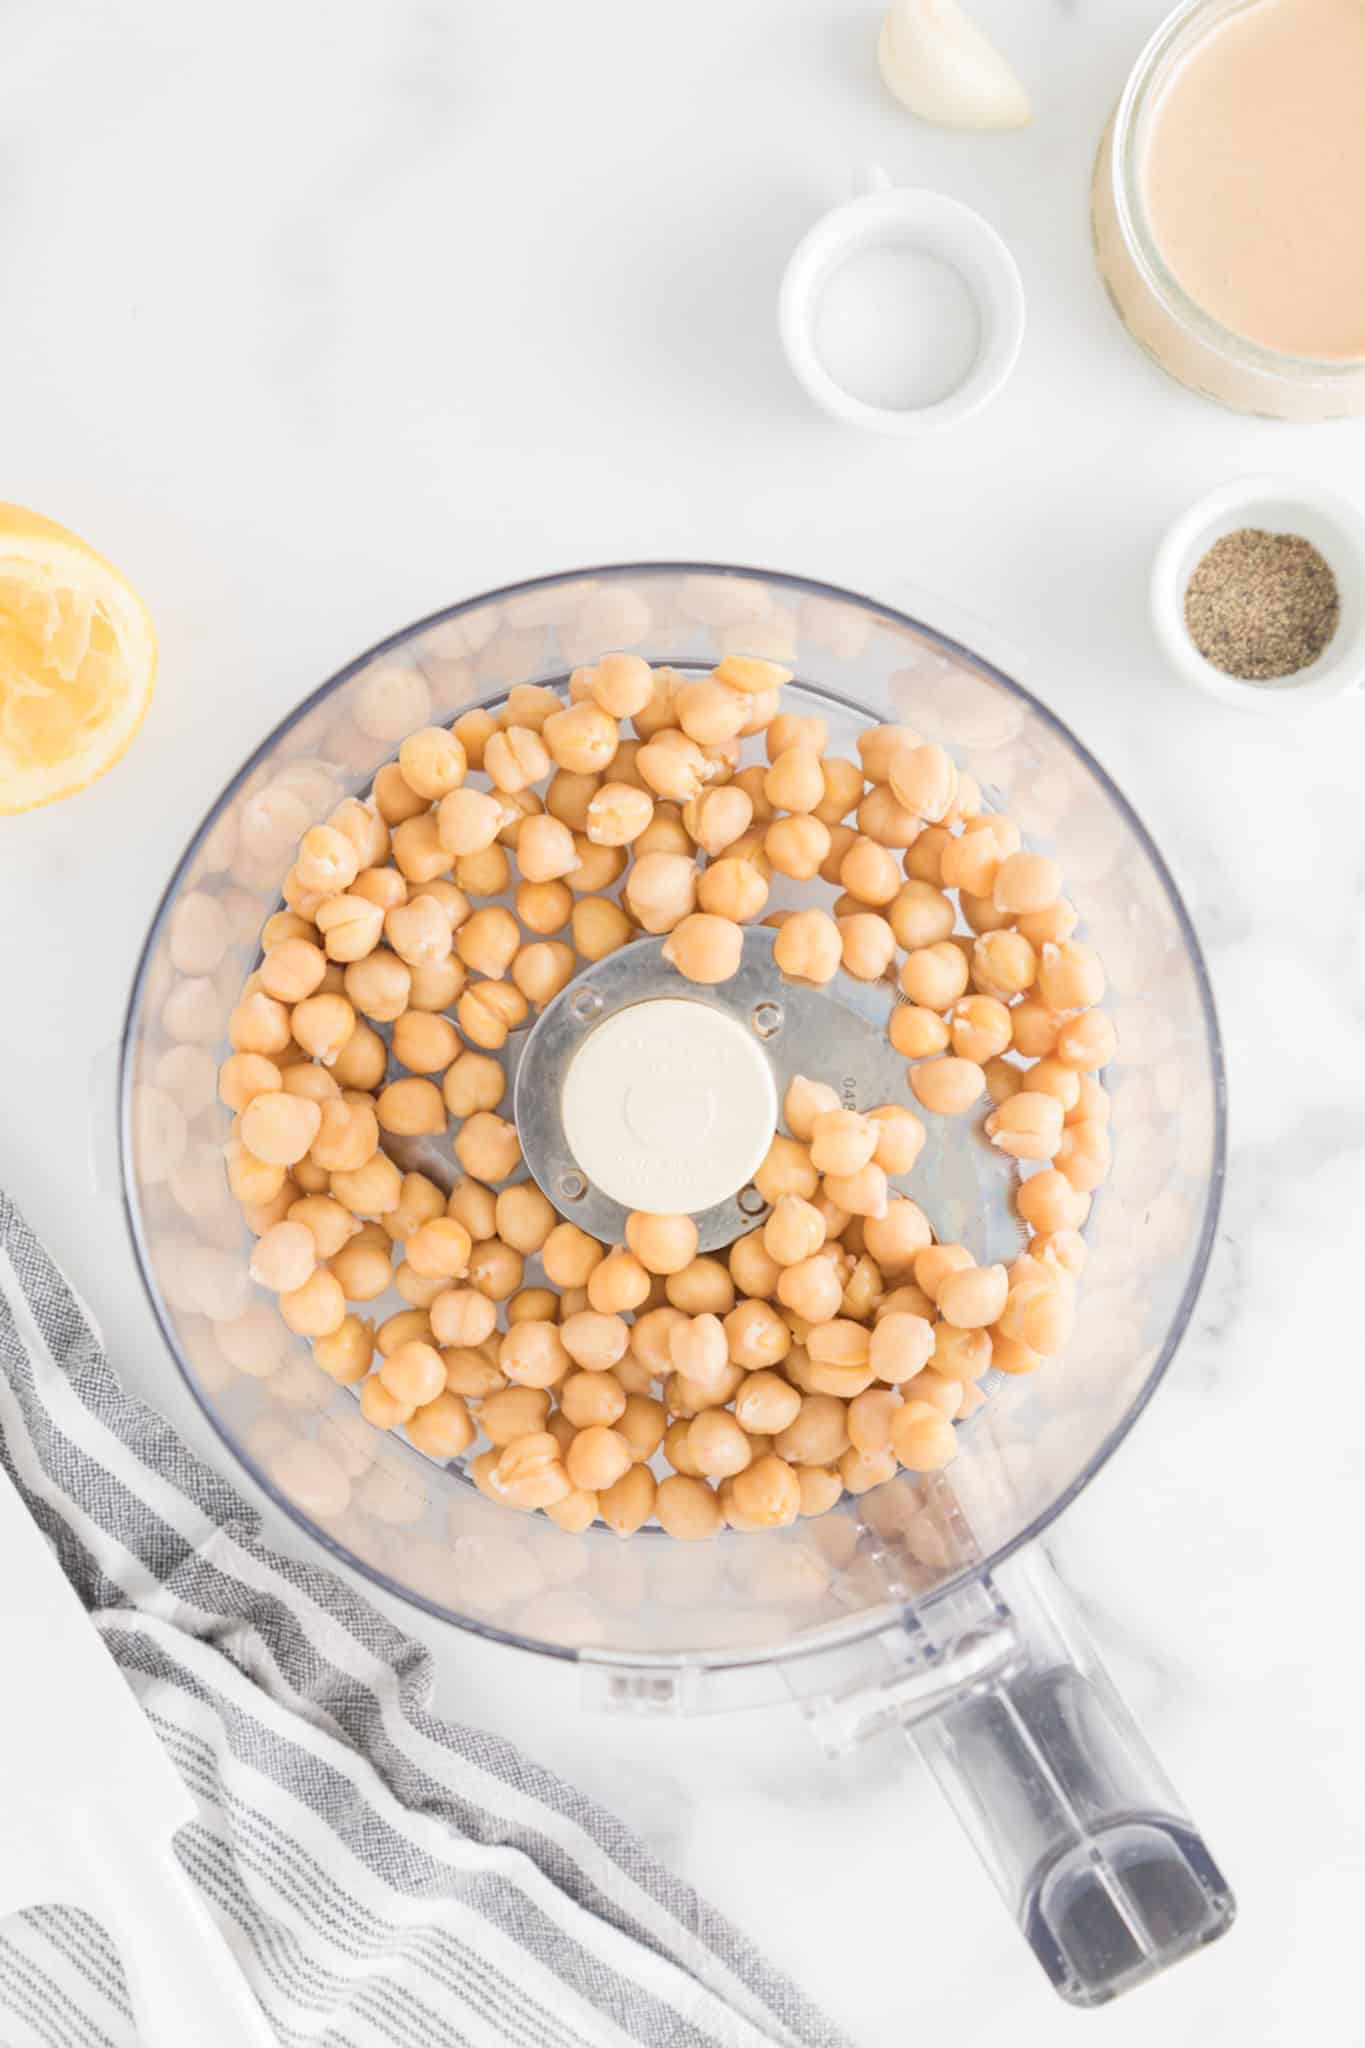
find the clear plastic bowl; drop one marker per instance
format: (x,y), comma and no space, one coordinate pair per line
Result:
(910,1573)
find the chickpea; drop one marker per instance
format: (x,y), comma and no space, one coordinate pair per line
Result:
(292,970)
(733,889)
(935,1262)
(544,907)
(284,1257)
(704,948)
(789,729)
(922,1438)
(751,675)
(863,1194)
(900,1346)
(1064,1248)
(469,821)
(766,1404)
(948,1087)
(409,1326)
(278,1128)
(841,838)
(1087,1042)
(533,1355)
(1002,1080)
(1038,1312)
(651,1338)
(472,1083)
(350,925)
(980,913)
(787,1169)
(661,890)
(1048,1201)
(442,1428)
(347,1135)
(1003,965)
(702,1287)
(1093,1102)
(363,1268)
(751,781)
(436,987)
(869,872)
(475,1206)
(414,1374)
(425,1044)
(949,1397)
(473,1374)
(599,927)
(244,1075)
(327,861)
(673,767)
(597,1458)
(1027,1126)
(1084,1155)
(797,846)
(642,1423)
(752,1269)
(843,782)
(794,1231)
(934,976)
(687,1509)
(380,1408)
(618,814)
(973,1298)
(258,1024)
(973,861)
(756,1336)
(419,932)
(514,1412)
(677,1447)
(376,986)
(488,942)
(842,1142)
(622,684)
(473,729)
(317,1307)
(1026,882)
(329,1225)
(818,1434)
(819,1489)
(869,1421)
(592,1400)
(980,1028)
(487,1147)
(514,758)
(462,1318)
(808,947)
(796,781)
(485,873)
(546,850)
(1056,923)
(618,1285)
(1035,1028)
(524,1218)
(662,1244)
(432,762)
(570,1256)
(960,1354)
(440,1249)
(924,780)
(379,887)
(923,860)
(698,1349)
(708,711)
(1008,1355)
(530,1472)
(490,1011)
(811,1288)
(345,1355)
(879,745)
(584,738)
(411,1108)
(540,971)
(904,1300)
(628,1505)
(418,851)
(899,1137)
(894,1239)
(716,818)
(595,1342)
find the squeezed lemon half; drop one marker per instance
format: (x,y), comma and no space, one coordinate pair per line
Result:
(77,661)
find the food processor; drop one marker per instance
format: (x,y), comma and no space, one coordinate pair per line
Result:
(925,1603)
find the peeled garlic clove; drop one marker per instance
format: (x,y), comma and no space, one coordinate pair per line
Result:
(940,65)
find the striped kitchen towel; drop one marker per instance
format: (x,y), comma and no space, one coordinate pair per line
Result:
(387,1879)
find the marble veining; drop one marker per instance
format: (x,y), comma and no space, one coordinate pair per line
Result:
(319,317)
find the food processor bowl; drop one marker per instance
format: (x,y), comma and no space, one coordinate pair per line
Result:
(908,1604)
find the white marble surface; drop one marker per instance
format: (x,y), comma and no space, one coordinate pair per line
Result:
(320,316)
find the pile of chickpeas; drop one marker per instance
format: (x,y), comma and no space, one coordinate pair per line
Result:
(828,1347)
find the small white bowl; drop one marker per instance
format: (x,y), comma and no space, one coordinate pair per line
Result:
(883,217)
(1275,504)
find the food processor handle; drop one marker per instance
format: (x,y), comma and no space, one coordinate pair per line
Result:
(1069,1810)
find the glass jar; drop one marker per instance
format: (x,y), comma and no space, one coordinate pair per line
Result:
(1177,333)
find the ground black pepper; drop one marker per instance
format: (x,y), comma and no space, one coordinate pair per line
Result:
(1262,605)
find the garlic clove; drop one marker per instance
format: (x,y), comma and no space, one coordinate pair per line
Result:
(940,65)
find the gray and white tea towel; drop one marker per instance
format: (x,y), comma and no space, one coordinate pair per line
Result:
(386,1879)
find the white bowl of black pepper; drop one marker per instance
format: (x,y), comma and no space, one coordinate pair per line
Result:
(1258,594)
